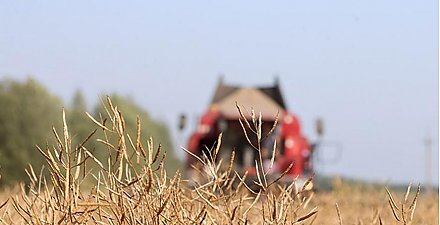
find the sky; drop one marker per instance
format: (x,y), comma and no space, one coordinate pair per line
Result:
(368,68)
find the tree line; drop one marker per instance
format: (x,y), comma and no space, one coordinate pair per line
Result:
(29,112)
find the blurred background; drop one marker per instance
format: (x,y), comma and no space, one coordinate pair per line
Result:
(369,69)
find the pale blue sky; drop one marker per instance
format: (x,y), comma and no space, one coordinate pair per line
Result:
(369,68)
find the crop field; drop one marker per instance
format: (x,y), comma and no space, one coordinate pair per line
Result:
(356,206)
(132,187)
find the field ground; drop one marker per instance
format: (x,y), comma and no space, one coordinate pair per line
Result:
(362,204)
(357,203)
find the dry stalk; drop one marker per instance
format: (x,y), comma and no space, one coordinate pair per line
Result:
(403,214)
(130,185)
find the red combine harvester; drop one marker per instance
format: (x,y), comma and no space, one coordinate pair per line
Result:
(222,116)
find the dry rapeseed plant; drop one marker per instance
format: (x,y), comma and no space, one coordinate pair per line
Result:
(404,214)
(236,203)
(132,187)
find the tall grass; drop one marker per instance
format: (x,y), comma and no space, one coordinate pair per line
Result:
(132,186)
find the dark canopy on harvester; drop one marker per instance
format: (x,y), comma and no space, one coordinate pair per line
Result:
(267,99)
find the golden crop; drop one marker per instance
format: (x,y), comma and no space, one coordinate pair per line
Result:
(132,187)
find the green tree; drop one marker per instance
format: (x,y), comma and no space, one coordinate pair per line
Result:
(26,118)
(150,128)
(79,124)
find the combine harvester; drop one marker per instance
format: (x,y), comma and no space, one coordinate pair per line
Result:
(222,116)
